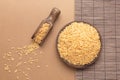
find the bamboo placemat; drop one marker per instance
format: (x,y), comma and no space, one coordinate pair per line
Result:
(105,16)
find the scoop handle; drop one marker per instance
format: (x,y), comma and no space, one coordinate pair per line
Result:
(53,15)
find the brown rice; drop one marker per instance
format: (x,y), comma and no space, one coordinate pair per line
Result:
(79,43)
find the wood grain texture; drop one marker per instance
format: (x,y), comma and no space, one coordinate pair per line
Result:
(105,16)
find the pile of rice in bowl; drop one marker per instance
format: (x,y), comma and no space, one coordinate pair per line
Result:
(78,44)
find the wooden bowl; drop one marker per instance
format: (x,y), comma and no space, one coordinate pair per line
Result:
(70,64)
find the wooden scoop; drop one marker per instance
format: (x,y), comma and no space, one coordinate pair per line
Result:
(45,26)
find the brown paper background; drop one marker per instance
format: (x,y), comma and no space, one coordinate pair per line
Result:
(18,21)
